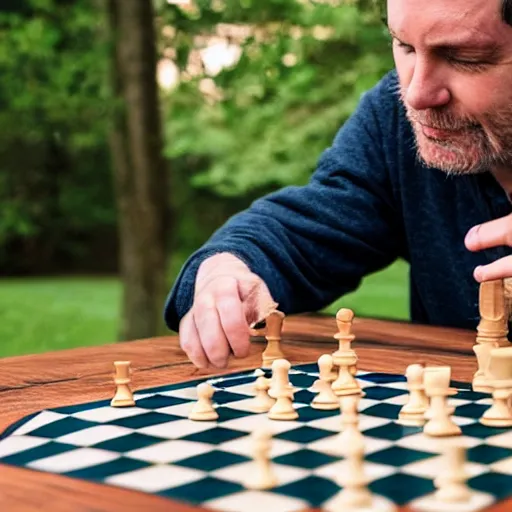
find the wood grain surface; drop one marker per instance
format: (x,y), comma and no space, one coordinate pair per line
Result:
(31,383)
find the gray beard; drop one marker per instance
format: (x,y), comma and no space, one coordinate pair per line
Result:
(493,145)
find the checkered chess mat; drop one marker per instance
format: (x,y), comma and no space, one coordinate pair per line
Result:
(154,448)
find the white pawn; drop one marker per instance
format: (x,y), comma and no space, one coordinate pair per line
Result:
(325,367)
(326,399)
(261,477)
(283,408)
(412,414)
(203,409)
(262,401)
(279,379)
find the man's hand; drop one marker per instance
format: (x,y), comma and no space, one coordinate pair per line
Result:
(492,234)
(228,298)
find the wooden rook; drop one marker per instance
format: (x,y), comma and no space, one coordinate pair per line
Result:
(437,388)
(500,378)
(122,379)
(492,330)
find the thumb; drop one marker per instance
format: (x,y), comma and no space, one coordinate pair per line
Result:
(256,299)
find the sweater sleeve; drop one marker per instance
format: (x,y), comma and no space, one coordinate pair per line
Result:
(314,243)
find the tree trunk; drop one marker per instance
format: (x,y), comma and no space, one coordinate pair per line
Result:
(140,176)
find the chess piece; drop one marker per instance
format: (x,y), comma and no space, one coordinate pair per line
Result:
(492,329)
(325,400)
(261,477)
(325,367)
(355,494)
(437,388)
(279,380)
(283,408)
(203,409)
(273,350)
(412,414)
(123,396)
(451,485)
(350,436)
(262,401)
(500,378)
(345,357)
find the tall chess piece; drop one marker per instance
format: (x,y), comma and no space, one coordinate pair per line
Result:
(492,330)
(350,436)
(500,378)
(122,379)
(345,357)
(274,322)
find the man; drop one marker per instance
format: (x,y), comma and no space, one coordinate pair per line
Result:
(422,171)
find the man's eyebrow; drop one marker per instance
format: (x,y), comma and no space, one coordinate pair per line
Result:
(392,33)
(464,44)
(489,47)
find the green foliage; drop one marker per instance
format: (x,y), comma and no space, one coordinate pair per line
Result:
(54,172)
(301,72)
(229,136)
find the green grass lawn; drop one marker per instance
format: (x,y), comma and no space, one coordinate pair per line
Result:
(384,294)
(40,315)
(44,314)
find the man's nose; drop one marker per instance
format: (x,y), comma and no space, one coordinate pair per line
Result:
(427,88)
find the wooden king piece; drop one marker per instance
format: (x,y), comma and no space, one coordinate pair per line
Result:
(345,357)
(492,330)
(273,350)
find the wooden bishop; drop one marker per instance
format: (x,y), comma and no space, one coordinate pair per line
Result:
(274,322)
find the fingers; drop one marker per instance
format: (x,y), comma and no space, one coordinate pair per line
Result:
(499,269)
(211,333)
(234,324)
(490,234)
(190,341)
(217,326)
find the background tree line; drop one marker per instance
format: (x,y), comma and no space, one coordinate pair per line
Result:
(228,133)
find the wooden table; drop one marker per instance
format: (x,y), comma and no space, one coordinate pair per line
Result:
(31,383)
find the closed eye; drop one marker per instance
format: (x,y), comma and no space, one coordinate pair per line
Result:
(407,48)
(472,65)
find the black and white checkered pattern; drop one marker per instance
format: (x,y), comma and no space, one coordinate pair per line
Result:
(153,447)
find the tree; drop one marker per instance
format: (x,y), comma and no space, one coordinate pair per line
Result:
(139,168)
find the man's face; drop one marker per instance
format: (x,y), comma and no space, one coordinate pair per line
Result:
(454,61)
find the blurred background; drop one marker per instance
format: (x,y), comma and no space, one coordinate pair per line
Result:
(130,130)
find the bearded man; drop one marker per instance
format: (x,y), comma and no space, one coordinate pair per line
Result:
(421,171)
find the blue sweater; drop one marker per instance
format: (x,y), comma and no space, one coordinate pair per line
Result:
(369,202)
